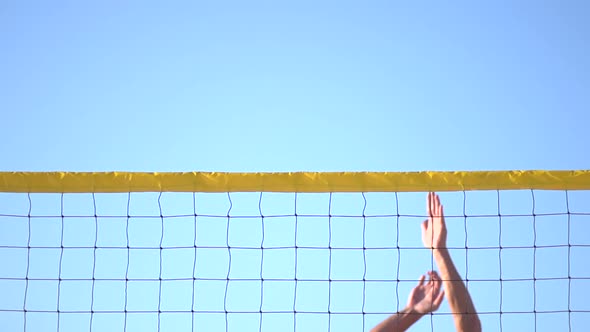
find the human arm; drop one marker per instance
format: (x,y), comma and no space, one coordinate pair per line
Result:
(434,236)
(423,299)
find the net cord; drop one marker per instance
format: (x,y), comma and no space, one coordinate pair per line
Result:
(364,258)
(61,255)
(296,270)
(161,262)
(569,275)
(93,261)
(500,257)
(30,207)
(534,260)
(398,251)
(194,263)
(228,263)
(128,261)
(261,260)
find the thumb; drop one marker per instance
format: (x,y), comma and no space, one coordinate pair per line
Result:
(424,225)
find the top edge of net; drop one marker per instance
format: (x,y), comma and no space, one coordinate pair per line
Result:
(300,182)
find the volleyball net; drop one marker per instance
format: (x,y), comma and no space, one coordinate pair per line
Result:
(286,251)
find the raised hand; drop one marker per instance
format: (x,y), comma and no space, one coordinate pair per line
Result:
(426,297)
(434,235)
(434,231)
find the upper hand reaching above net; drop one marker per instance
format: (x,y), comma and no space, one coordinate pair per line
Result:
(434,230)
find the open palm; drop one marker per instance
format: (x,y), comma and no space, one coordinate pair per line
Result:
(434,231)
(426,296)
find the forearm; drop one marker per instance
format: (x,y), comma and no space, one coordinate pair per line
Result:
(398,322)
(464,313)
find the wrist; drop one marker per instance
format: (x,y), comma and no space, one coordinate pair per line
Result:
(440,252)
(410,310)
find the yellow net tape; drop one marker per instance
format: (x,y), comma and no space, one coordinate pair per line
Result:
(112,182)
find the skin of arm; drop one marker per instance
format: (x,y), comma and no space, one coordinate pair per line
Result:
(434,236)
(424,298)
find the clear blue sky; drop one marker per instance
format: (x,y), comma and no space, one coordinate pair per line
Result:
(300,85)
(247,86)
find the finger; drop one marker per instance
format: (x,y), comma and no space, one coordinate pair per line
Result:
(436,280)
(432,204)
(424,225)
(430,274)
(435,204)
(421,280)
(429,204)
(439,299)
(435,276)
(436,286)
(431,280)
